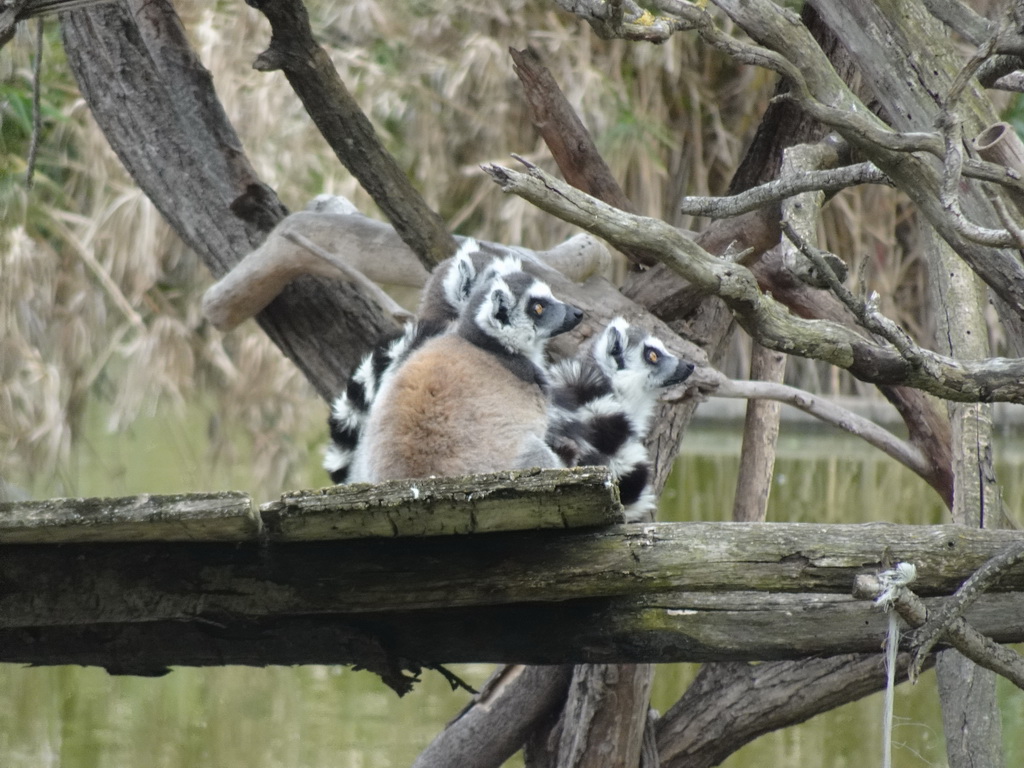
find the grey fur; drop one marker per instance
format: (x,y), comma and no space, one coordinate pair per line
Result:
(601,404)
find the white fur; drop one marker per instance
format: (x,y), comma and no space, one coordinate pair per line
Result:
(520,334)
(335,458)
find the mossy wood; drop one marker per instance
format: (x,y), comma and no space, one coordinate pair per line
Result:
(669,627)
(150,581)
(503,501)
(297,585)
(227,516)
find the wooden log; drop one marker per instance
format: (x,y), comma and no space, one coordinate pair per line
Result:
(503,501)
(681,627)
(226,516)
(110,583)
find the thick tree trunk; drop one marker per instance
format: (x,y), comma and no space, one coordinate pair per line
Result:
(970,711)
(156,105)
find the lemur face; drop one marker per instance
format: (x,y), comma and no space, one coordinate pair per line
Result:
(521,314)
(637,362)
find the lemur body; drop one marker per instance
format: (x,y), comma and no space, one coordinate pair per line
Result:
(473,400)
(444,297)
(601,405)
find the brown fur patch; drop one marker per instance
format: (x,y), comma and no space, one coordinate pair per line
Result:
(452,409)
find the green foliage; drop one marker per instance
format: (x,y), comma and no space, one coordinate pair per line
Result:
(55,145)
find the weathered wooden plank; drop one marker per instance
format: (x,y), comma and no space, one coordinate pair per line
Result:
(676,627)
(90,584)
(502,501)
(225,516)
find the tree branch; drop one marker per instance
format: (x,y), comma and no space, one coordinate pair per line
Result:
(817,85)
(703,728)
(786,186)
(971,643)
(567,138)
(308,68)
(763,318)
(939,622)
(902,451)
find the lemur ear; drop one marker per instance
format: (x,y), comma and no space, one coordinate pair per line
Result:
(614,346)
(501,304)
(459,281)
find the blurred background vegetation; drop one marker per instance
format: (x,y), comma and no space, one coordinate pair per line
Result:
(99,301)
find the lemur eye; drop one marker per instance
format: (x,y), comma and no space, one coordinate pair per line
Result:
(538,308)
(652,356)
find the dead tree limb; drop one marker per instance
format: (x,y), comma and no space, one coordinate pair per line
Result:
(357,249)
(939,622)
(760,316)
(701,729)
(312,75)
(483,735)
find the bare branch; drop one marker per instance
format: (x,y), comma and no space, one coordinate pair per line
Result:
(760,435)
(940,622)
(333,240)
(762,317)
(567,137)
(483,735)
(961,19)
(961,635)
(311,73)
(11,14)
(908,454)
(387,305)
(865,311)
(787,186)
(817,84)
(1003,73)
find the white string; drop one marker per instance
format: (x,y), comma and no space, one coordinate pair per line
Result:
(890,582)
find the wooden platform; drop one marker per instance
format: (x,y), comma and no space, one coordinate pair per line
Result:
(532,567)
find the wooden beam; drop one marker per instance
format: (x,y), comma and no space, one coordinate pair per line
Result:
(227,516)
(503,501)
(676,627)
(517,567)
(108,583)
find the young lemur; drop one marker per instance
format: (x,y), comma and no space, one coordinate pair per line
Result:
(444,297)
(472,400)
(601,403)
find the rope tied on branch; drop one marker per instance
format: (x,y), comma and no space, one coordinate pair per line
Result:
(890,582)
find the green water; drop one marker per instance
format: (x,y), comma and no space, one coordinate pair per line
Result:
(313,717)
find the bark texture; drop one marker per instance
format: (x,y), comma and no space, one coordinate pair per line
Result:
(156,105)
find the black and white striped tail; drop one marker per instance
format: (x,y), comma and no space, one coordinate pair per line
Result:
(351,408)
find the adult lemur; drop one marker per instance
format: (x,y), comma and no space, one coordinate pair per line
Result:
(444,297)
(601,404)
(472,400)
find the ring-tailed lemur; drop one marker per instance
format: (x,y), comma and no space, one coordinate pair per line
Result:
(601,405)
(443,299)
(473,400)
